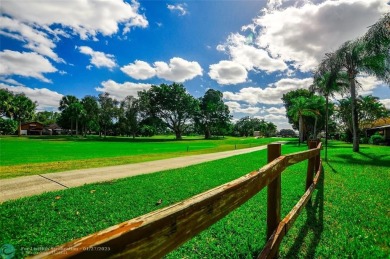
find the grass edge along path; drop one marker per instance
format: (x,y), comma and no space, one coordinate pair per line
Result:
(72,163)
(348,216)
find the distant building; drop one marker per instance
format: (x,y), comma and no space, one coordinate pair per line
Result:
(256,133)
(31,128)
(382,126)
(53,129)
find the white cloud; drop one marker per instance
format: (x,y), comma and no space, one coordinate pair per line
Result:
(139,70)
(36,40)
(386,103)
(99,59)
(242,51)
(27,64)
(228,72)
(302,34)
(45,98)
(120,91)
(236,108)
(368,84)
(85,18)
(276,110)
(181,9)
(269,95)
(178,70)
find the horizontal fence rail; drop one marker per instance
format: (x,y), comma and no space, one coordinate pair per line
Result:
(155,234)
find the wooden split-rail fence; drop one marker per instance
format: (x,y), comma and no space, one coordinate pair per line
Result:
(155,234)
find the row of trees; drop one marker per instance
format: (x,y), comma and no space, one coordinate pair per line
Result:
(338,71)
(159,110)
(307,112)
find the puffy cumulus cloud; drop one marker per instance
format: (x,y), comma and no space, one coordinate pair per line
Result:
(386,103)
(98,59)
(235,107)
(243,52)
(120,91)
(269,95)
(276,110)
(178,70)
(302,34)
(181,9)
(85,18)
(279,120)
(139,70)
(368,84)
(37,41)
(228,72)
(27,64)
(46,99)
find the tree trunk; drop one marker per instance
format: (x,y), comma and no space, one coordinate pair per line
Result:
(326,126)
(20,128)
(355,127)
(207,133)
(300,129)
(178,134)
(315,129)
(77,126)
(71,127)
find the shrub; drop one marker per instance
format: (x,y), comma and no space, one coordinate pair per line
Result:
(376,139)
(364,140)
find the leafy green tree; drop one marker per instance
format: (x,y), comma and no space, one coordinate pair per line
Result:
(172,104)
(91,113)
(299,108)
(129,115)
(6,98)
(108,108)
(213,113)
(69,111)
(47,117)
(23,109)
(288,102)
(8,126)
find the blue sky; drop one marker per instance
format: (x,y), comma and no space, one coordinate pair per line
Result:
(252,51)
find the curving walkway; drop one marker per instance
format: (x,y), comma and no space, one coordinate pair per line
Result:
(36,184)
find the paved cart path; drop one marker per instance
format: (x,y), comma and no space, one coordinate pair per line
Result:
(36,184)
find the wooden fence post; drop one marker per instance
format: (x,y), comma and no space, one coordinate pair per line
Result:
(273,194)
(310,166)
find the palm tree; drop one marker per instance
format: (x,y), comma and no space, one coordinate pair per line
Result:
(354,58)
(299,108)
(327,82)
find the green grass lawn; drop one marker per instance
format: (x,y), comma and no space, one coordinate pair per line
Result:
(42,154)
(348,216)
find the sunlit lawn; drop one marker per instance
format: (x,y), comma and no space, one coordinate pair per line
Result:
(348,216)
(42,154)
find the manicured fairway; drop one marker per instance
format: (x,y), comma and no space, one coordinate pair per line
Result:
(35,155)
(348,216)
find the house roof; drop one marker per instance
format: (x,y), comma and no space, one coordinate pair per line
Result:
(380,123)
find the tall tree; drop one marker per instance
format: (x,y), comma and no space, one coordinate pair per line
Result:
(288,99)
(129,115)
(69,108)
(6,98)
(172,104)
(23,109)
(213,113)
(108,111)
(328,81)
(300,107)
(91,114)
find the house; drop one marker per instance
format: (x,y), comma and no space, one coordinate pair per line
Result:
(382,126)
(31,128)
(53,129)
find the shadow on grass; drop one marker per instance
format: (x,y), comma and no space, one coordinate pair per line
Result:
(366,159)
(314,223)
